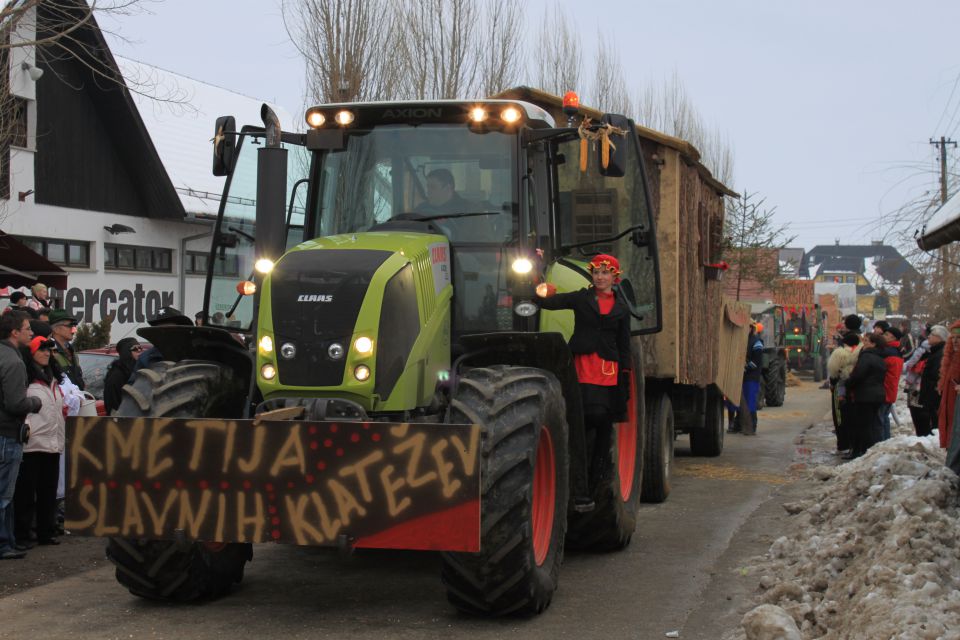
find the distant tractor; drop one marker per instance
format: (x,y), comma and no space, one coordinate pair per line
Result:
(774,337)
(806,342)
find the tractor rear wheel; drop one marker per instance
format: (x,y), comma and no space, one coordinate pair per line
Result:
(524,474)
(613,520)
(164,569)
(708,441)
(775,383)
(658,456)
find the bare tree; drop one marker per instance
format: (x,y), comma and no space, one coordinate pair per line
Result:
(502,53)
(557,54)
(345,46)
(441,48)
(752,241)
(609,86)
(668,108)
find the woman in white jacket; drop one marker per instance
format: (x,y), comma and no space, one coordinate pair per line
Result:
(36,493)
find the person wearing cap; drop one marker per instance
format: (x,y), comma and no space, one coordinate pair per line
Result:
(119,372)
(601,354)
(63,327)
(166,316)
(929,394)
(40,299)
(36,494)
(15,406)
(891,383)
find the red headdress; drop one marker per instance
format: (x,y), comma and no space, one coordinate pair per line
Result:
(606,261)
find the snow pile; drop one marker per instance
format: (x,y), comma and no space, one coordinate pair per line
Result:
(876,554)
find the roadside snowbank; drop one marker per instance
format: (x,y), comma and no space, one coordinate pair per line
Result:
(876,553)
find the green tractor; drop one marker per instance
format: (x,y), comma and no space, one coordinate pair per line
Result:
(774,337)
(806,342)
(374,370)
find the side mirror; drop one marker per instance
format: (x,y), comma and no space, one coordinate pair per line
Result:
(630,298)
(224,145)
(617,164)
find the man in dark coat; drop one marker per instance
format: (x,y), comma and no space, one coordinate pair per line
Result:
(119,372)
(929,395)
(752,377)
(865,384)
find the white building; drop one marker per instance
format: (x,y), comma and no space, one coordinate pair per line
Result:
(113,185)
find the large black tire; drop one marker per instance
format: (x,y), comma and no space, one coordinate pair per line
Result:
(523,414)
(658,451)
(708,440)
(775,383)
(164,569)
(610,526)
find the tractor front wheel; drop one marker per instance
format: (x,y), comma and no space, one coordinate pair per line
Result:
(524,475)
(164,569)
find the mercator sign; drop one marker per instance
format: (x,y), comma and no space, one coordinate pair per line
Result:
(382,485)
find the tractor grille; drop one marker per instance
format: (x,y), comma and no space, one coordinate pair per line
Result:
(316,296)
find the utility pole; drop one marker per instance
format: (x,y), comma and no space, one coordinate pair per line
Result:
(945,253)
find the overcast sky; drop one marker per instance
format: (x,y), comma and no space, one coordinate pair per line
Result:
(829,106)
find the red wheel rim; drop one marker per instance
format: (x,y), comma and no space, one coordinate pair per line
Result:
(627,445)
(544,497)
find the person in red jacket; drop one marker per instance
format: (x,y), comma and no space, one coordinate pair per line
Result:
(891,382)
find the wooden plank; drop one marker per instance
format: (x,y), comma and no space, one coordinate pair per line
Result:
(734,320)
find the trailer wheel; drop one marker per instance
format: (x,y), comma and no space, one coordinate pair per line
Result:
(524,474)
(658,456)
(708,441)
(775,387)
(610,526)
(164,569)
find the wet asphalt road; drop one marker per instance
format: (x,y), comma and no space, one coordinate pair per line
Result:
(680,572)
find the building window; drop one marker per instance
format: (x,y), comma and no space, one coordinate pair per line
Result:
(133,258)
(17,121)
(195,262)
(70,253)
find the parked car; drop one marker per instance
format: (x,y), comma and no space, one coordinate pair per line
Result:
(94,363)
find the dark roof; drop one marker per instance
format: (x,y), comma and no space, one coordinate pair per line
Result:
(864,289)
(890,264)
(109,96)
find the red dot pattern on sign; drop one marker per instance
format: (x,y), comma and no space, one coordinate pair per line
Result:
(112,484)
(224,485)
(375,437)
(314,445)
(137,485)
(247,484)
(272,497)
(328,443)
(269,487)
(87,482)
(339,452)
(309,478)
(366,426)
(321,465)
(179,484)
(334,428)
(276,534)
(312,430)
(290,485)
(157,485)
(354,437)
(204,484)
(271,509)
(275,521)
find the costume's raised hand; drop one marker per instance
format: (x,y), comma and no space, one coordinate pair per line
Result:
(545,290)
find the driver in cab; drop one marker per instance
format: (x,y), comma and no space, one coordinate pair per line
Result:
(442,196)
(463,222)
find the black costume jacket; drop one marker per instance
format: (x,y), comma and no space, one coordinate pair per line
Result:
(608,336)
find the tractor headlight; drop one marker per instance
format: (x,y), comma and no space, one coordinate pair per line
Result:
(525,308)
(363,345)
(522,266)
(268,371)
(266,344)
(288,350)
(362,373)
(263,265)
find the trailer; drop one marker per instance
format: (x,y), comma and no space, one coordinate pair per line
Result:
(698,356)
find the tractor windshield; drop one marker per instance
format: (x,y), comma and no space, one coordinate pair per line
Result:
(462,180)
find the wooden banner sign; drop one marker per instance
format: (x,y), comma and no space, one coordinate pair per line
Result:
(365,484)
